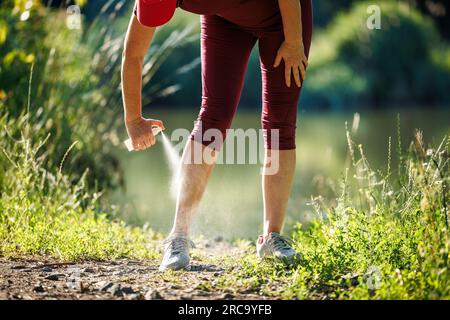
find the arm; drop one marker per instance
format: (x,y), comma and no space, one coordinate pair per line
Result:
(292,50)
(137,42)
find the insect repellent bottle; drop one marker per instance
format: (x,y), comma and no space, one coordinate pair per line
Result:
(129,144)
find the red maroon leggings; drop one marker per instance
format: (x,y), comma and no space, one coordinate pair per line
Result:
(225,51)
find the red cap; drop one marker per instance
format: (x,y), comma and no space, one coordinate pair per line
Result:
(154,13)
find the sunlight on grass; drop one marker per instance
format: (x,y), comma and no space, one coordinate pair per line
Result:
(385,237)
(43,213)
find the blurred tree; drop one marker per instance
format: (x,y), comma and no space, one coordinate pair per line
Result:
(75,92)
(439,10)
(404,63)
(91,9)
(325,11)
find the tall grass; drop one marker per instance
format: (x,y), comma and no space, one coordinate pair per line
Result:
(385,237)
(44,213)
(57,148)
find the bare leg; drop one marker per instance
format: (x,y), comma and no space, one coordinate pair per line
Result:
(193,180)
(276,189)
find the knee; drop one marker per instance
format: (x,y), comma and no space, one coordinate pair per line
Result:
(212,124)
(279,138)
(279,132)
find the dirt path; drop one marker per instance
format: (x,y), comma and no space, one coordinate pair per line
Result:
(121,279)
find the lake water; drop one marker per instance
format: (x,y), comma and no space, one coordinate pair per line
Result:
(232,205)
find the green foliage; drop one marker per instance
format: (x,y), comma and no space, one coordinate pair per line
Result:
(383,238)
(43,213)
(403,62)
(75,91)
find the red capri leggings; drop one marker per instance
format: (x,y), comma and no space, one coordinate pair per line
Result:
(225,51)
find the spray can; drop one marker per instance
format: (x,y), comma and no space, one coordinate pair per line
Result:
(129,144)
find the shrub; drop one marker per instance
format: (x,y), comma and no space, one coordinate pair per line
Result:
(42,212)
(75,92)
(401,63)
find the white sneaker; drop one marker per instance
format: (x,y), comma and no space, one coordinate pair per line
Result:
(176,253)
(278,247)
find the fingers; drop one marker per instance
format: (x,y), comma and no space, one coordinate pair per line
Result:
(295,66)
(287,74)
(299,73)
(297,76)
(144,142)
(305,60)
(158,123)
(136,145)
(302,71)
(304,65)
(278,59)
(151,140)
(141,133)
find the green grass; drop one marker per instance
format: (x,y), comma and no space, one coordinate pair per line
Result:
(384,238)
(42,213)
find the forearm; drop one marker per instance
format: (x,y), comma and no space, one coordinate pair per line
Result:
(291,13)
(137,42)
(132,87)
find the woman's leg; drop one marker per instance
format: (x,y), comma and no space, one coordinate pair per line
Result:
(276,189)
(279,113)
(193,180)
(225,50)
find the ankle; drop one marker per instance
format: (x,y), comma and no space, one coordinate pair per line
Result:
(179,233)
(267,233)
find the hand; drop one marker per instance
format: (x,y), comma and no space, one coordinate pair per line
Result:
(140,132)
(295,61)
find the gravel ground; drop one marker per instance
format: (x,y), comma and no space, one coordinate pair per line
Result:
(121,279)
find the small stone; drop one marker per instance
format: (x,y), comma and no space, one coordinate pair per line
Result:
(153,295)
(89,270)
(39,289)
(83,287)
(73,285)
(55,277)
(47,269)
(135,296)
(128,290)
(115,290)
(105,286)
(18,267)
(227,296)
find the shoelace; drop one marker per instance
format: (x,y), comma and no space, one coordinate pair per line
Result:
(281,243)
(178,244)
